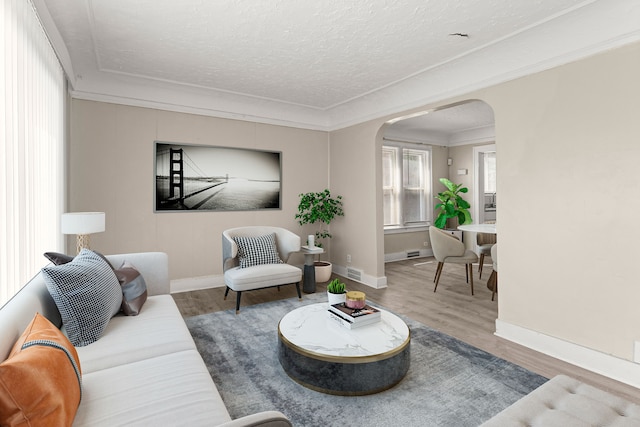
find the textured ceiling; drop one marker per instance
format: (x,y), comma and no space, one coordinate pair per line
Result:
(316,55)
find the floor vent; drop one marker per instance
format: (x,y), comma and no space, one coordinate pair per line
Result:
(413,254)
(354,274)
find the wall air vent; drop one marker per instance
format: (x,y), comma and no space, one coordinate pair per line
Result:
(354,274)
(413,254)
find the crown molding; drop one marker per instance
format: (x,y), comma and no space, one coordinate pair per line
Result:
(591,29)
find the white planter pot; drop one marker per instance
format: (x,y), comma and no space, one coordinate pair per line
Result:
(336,298)
(323,271)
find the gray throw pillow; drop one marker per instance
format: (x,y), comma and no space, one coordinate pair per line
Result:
(257,250)
(87,294)
(134,288)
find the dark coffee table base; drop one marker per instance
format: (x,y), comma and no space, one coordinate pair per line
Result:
(346,376)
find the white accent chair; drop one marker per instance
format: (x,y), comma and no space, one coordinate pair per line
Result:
(448,249)
(259,276)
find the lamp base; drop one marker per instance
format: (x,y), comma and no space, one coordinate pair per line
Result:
(82,241)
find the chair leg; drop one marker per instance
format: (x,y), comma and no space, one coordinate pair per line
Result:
(298,290)
(438,273)
(226,293)
(494,283)
(480,265)
(238,295)
(470,270)
(466,271)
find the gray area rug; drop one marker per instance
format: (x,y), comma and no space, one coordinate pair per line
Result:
(449,383)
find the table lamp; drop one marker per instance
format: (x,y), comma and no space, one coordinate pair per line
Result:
(82,224)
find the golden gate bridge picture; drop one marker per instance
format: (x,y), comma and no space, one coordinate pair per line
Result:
(206,178)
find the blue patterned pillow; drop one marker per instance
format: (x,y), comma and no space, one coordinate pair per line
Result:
(87,294)
(257,250)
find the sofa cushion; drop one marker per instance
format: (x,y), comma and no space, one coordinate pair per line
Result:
(263,276)
(156,331)
(58,258)
(40,382)
(134,288)
(171,390)
(257,250)
(87,293)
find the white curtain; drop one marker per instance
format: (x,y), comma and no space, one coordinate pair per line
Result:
(32,130)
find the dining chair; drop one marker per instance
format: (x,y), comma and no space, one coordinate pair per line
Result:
(448,249)
(492,282)
(485,241)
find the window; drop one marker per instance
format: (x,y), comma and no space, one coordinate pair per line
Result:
(32,108)
(406,186)
(490,172)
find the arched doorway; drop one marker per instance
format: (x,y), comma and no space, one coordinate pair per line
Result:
(450,135)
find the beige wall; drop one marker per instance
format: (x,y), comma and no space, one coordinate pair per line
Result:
(111,169)
(568,151)
(403,242)
(355,160)
(567,147)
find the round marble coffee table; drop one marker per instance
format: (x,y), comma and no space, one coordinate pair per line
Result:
(322,355)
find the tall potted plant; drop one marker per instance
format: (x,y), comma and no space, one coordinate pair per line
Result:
(320,208)
(452,205)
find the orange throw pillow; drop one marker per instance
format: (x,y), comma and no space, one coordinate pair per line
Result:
(40,382)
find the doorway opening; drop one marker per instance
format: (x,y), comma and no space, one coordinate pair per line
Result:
(449,136)
(485,191)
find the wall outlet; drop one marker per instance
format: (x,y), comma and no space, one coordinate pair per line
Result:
(348,257)
(426,244)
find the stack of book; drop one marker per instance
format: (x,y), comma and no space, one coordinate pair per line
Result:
(353,318)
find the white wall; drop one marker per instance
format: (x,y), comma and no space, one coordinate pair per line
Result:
(111,169)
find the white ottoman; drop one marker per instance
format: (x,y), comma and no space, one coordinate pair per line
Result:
(567,402)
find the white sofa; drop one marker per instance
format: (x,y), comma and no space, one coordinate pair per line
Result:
(145,369)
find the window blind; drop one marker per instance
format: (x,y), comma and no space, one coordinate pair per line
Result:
(32,130)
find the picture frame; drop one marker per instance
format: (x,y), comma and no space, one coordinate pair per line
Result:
(191,177)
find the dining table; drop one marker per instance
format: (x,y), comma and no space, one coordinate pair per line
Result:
(479,228)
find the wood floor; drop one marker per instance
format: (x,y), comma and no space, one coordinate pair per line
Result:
(451,310)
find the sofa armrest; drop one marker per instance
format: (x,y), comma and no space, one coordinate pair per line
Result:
(153,266)
(261,419)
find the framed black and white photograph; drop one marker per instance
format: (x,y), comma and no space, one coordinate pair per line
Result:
(209,178)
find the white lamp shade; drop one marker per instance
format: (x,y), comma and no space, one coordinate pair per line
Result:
(82,222)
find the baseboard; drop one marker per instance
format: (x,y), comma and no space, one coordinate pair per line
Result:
(217,281)
(613,367)
(400,256)
(366,279)
(196,283)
